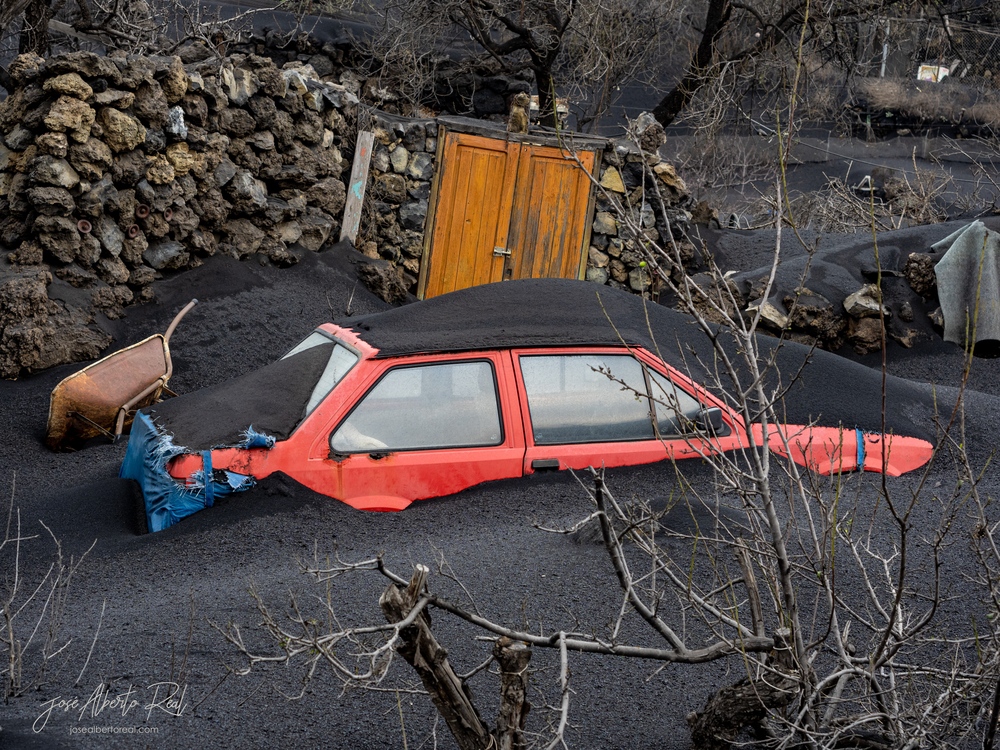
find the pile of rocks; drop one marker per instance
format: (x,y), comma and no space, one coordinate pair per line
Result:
(113,169)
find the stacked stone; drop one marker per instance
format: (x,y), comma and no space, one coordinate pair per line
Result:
(402,168)
(627,175)
(113,169)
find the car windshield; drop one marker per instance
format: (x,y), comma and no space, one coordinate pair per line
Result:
(341,360)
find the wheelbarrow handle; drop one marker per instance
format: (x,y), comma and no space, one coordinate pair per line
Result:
(176,320)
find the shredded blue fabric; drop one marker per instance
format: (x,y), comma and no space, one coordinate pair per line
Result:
(861,449)
(168,500)
(254,439)
(206,470)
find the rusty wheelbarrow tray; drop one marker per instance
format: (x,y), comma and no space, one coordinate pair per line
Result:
(101,399)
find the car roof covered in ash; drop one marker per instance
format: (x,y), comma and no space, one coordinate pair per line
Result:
(528,312)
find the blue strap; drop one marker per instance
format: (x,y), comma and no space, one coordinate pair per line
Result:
(206,469)
(861,449)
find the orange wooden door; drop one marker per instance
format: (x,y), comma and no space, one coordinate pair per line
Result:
(549,215)
(472,213)
(505,211)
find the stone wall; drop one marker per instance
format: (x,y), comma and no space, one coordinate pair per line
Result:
(614,257)
(114,169)
(404,162)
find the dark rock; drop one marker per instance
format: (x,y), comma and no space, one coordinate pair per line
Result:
(165,255)
(52,201)
(141,276)
(865,335)
(391,187)
(135,71)
(129,168)
(309,127)
(90,250)
(132,250)
(195,109)
(919,273)
(382,280)
(58,236)
(263,110)
(88,64)
(291,103)
(224,172)
(421,167)
(414,137)
(242,238)
(91,159)
(316,228)
(29,253)
(212,207)
(36,333)
(243,157)
(109,235)
(815,315)
(151,104)
(412,215)
(237,122)
(76,276)
(183,222)
(47,170)
(247,194)
(420,191)
(25,67)
(112,270)
(329,195)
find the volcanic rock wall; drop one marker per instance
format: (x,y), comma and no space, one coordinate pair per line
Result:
(113,169)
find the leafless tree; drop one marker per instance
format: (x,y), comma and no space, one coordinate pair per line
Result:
(582,48)
(821,591)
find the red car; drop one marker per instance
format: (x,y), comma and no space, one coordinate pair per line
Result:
(488,383)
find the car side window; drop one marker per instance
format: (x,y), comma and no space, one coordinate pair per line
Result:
(676,410)
(572,399)
(446,405)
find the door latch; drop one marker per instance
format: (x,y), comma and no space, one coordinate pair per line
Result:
(499,251)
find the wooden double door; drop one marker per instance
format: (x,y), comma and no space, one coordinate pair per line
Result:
(505,210)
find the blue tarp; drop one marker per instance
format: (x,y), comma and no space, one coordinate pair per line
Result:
(167,499)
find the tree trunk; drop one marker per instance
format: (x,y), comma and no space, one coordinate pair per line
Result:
(735,707)
(35,28)
(430,660)
(513,659)
(673,103)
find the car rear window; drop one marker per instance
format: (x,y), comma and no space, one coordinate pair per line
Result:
(572,399)
(340,362)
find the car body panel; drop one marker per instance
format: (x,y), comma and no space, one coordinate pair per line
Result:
(390,480)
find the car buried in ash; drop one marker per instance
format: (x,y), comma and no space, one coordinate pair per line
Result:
(488,383)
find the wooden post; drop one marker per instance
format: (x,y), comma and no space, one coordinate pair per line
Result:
(356,187)
(430,660)
(513,658)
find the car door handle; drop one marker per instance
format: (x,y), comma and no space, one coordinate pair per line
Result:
(545,463)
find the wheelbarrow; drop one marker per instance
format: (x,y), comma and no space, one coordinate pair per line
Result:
(102,398)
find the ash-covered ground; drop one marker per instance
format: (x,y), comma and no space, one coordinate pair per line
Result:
(154,597)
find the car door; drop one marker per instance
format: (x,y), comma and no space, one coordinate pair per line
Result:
(593,407)
(427,427)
